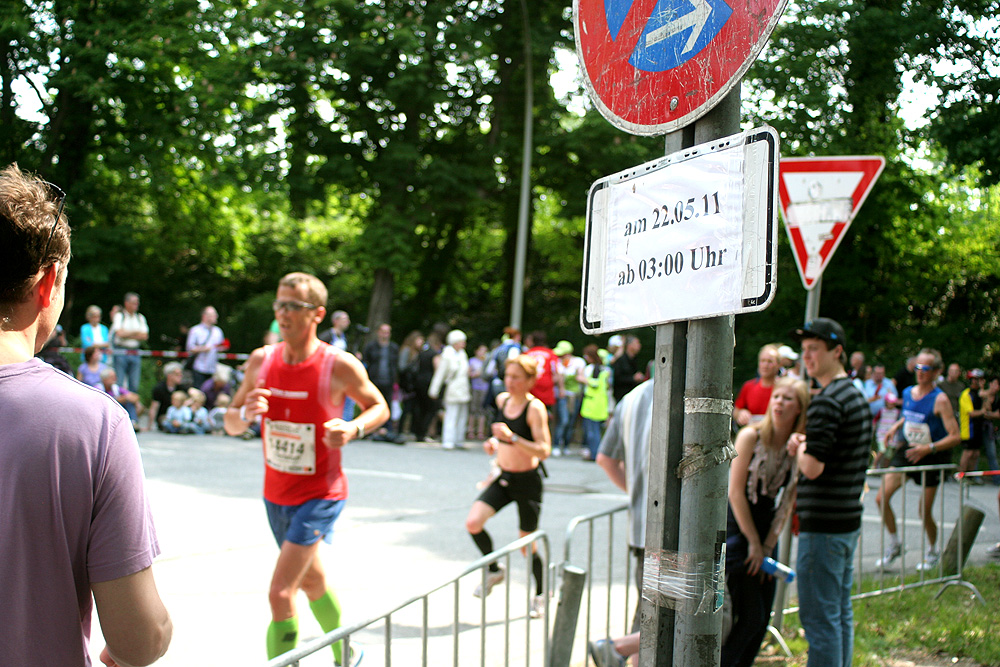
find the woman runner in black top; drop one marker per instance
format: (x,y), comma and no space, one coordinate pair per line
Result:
(521,441)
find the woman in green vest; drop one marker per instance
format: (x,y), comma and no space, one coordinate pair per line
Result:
(594,378)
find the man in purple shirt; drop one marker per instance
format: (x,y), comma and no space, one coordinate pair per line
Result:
(76,523)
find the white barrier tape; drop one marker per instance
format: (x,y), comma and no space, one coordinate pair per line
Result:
(166,354)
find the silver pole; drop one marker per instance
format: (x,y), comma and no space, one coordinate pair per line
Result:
(663,491)
(704,487)
(812,300)
(521,250)
(707,448)
(785,550)
(663,494)
(697,518)
(567,613)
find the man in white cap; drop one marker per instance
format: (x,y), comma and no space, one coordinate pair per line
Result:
(614,348)
(789,360)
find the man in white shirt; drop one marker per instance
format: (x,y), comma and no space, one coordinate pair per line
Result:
(128,330)
(204,341)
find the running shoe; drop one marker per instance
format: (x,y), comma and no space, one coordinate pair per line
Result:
(892,552)
(994,551)
(537,606)
(492,579)
(930,562)
(604,654)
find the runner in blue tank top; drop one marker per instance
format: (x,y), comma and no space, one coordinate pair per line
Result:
(929,430)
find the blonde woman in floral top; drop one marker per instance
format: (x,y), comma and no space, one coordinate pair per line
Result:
(761,470)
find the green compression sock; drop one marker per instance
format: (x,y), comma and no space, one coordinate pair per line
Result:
(282,637)
(326,609)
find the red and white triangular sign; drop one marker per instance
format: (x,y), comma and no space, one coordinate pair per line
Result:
(819,198)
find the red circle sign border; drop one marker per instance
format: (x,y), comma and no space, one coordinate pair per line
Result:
(640,102)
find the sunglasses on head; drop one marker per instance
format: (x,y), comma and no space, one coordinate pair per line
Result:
(55,223)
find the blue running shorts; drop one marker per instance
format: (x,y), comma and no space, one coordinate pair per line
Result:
(303,524)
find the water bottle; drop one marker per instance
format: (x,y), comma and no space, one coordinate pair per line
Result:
(774,568)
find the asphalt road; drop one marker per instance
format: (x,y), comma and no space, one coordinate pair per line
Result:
(401,533)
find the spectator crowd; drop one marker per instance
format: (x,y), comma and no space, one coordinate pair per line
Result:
(440,392)
(436,391)
(807,427)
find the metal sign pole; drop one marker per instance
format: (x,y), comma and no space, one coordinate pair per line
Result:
(812,300)
(698,453)
(665,449)
(656,630)
(785,551)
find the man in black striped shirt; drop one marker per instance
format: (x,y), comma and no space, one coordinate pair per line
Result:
(832,458)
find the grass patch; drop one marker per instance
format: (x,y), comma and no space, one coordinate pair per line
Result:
(912,621)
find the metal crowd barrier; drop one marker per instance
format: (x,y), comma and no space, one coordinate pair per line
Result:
(608,588)
(418,611)
(870,581)
(617,568)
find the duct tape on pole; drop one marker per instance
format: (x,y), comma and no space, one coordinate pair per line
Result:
(654,66)
(688,236)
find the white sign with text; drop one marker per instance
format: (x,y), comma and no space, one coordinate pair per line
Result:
(687,236)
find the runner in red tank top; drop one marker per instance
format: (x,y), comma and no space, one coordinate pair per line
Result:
(297,388)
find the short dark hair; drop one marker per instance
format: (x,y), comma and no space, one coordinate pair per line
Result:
(27,214)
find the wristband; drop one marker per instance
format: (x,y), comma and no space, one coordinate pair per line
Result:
(933,448)
(243,413)
(361,430)
(514,438)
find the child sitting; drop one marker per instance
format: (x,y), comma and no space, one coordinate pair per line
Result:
(128,399)
(217,415)
(179,417)
(199,413)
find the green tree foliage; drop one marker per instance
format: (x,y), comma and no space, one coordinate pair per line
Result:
(208,148)
(831,82)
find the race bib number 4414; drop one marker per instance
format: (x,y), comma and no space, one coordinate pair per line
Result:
(290,447)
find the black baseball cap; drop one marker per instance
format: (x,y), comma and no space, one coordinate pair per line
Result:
(823,328)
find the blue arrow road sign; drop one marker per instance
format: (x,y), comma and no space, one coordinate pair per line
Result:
(676,31)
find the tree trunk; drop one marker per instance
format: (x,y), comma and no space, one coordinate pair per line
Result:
(380,304)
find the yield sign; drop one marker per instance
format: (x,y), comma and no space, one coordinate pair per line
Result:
(819,198)
(653,66)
